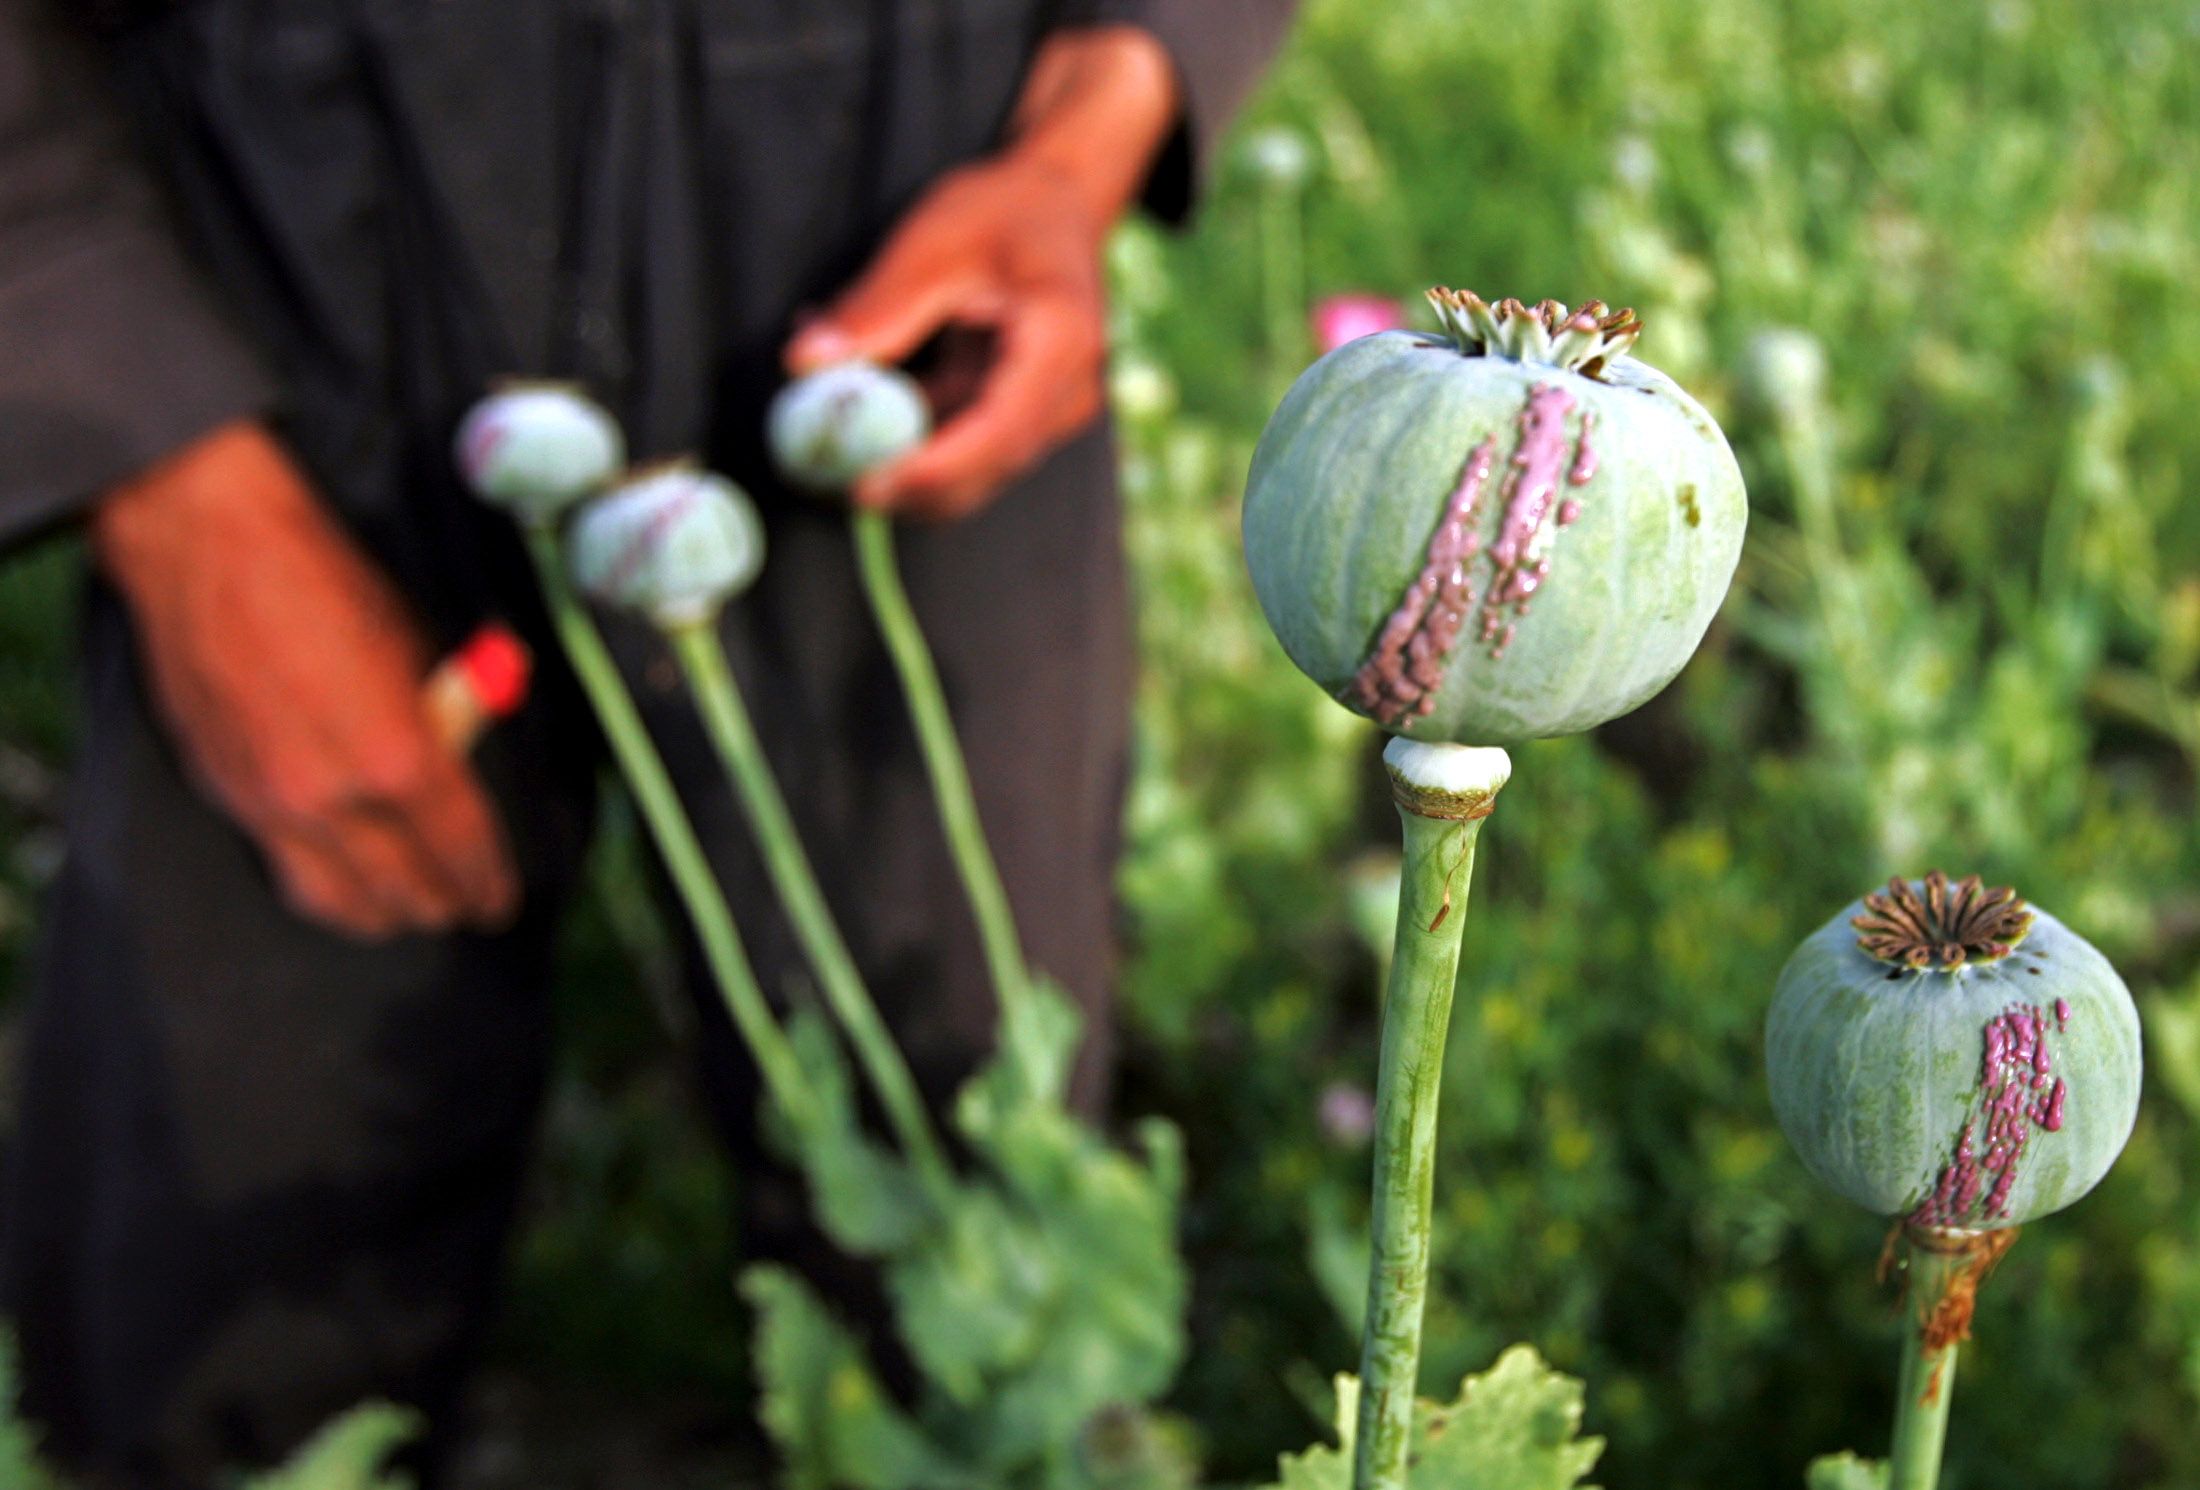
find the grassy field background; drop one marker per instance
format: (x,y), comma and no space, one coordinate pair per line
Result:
(1966,634)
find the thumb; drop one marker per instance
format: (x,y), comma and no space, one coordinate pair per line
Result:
(886,315)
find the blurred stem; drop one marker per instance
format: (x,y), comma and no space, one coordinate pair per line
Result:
(703,658)
(1424,967)
(1806,446)
(2149,701)
(683,855)
(943,757)
(1928,1376)
(1281,278)
(620,883)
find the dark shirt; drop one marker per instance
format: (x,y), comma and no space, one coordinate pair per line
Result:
(346,213)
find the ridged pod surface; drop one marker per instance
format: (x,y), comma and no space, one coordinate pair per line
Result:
(1511,532)
(1977,1095)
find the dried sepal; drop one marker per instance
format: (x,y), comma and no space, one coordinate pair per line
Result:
(1583,340)
(1945,925)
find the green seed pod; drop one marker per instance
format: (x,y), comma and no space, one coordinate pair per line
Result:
(674,543)
(1947,1054)
(1508,532)
(537,448)
(829,428)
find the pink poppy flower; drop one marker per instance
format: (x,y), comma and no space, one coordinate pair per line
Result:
(1338,319)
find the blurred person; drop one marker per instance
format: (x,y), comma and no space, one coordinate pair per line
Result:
(288,1039)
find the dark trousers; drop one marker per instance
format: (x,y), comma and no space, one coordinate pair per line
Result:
(262,1172)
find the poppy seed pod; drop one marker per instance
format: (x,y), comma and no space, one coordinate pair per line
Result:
(1509,531)
(674,543)
(537,448)
(830,428)
(1944,1053)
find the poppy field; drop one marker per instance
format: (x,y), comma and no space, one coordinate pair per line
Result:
(1930,269)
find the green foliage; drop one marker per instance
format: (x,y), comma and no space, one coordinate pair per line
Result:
(350,1453)
(1844,1471)
(822,1405)
(1513,1427)
(1966,631)
(19,1466)
(1042,1303)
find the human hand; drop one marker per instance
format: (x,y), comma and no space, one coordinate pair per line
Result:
(1003,256)
(1006,257)
(289,675)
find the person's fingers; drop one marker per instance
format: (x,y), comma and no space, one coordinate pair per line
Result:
(316,884)
(948,496)
(436,807)
(377,844)
(452,825)
(374,864)
(1044,387)
(353,799)
(894,307)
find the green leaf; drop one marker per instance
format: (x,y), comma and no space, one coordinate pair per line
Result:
(974,1298)
(2173,1044)
(1051,1292)
(1128,1448)
(1057,1291)
(348,1453)
(1324,1467)
(1844,1471)
(19,1465)
(1337,1249)
(867,1200)
(1045,1303)
(1031,1066)
(1514,1427)
(832,1421)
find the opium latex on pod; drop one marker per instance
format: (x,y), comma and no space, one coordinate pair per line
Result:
(1504,532)
(1947,1054)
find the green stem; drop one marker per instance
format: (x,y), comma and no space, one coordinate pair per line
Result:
(943,758)
(1424,966)
(703,658)
(668,824)
(1928,1377)
(1283,279)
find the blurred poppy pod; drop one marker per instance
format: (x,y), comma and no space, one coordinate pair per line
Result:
(537,448)
(674,543)
(1279,155)
(1783,371)
(828,429)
